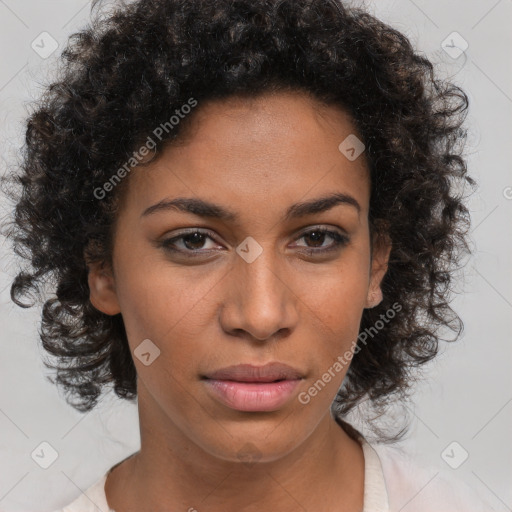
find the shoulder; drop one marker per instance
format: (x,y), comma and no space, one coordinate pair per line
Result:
(415,488)
(92,500)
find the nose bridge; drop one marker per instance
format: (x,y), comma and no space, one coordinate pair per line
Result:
(260,274)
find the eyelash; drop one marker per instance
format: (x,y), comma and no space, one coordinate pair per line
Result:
(339,241)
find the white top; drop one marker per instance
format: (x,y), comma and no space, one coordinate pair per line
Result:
(392,483)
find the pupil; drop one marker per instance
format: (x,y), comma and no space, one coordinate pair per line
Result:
(196,238)
(318,234)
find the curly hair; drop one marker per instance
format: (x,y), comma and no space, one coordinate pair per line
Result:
(126,73)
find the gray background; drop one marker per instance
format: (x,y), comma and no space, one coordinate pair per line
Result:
(467,393)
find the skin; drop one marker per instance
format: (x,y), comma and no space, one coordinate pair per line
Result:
(216,310)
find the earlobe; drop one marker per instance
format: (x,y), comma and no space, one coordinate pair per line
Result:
(102,290)
(374,298)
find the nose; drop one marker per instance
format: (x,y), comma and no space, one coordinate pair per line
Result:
(259,302)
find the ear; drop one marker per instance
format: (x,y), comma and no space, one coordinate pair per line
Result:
(102,289)
(379,266)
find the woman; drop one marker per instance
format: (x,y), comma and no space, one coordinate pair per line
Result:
(250,210)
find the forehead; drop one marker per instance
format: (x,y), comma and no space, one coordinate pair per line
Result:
(277,121)
(270,149)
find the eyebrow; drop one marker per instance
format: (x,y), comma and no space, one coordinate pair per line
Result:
(204,208)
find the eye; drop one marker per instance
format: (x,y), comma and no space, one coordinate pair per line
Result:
(318,235)
(190,242)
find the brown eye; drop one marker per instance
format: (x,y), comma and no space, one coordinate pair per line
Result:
(317,237)
(190,243)
(194,240)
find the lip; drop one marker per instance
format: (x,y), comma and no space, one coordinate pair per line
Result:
(245,387)
(252,373)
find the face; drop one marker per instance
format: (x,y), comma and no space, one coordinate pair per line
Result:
(278,277)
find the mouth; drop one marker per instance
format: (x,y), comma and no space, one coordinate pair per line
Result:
(252,388)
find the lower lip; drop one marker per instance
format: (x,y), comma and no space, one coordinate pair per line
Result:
(252,396)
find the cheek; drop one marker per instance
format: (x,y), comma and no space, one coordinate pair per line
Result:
(335,301)
(164,302)
(337,296)
(163,305)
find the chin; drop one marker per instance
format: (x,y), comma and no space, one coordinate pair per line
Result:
(252,441)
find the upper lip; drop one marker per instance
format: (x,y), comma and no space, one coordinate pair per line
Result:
(251,373)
